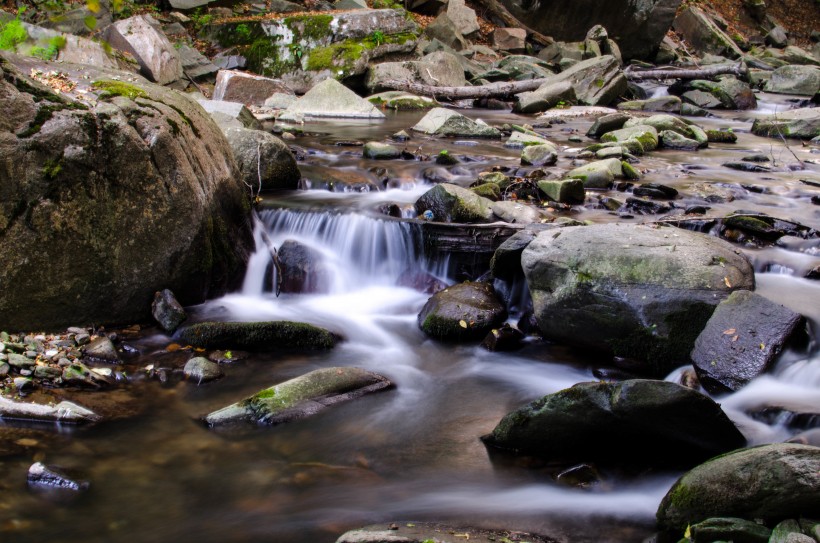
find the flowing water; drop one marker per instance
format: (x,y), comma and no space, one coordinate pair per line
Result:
(412,453)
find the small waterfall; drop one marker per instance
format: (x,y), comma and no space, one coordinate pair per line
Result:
(359,249)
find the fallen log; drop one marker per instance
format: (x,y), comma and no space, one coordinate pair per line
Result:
(499,88)
(509,88)
(700,73)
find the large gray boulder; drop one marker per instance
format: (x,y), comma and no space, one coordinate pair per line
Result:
(703,35)
(265,162)
(440,69)
(142,37)
(796,123)
(637,27)
(636,291)
(131,194)
(636,422)
(596,81)
(741,340)
(463,18)
(466,311)
(546,97)
(448,123)
(800,80)
(771,482)
(301,396)
(330,99)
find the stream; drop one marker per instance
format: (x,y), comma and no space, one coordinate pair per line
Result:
(412,453)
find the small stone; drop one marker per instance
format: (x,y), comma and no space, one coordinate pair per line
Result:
(42,476)
(380,151)
(82,339)
(19,360)
(103,349)
(47,372)
(504,338)
(167,311)
(202,370)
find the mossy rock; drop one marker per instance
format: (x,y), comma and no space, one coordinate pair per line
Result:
(646,135)
(467,311)
(451,203)
(491,191)
(770,482)
(267,336)
(301,396)
(634,422)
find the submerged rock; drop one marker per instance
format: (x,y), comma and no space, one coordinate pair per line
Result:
(301,396)
(741,340)
(302,268)
(635,422)
(42,477)
(637,291)
(770,482)
(467,311)
(270,335)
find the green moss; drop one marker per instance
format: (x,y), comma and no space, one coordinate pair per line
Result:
(119,88)
(43,115)
(488,190)
(313,27)
(51,168)
(273,335)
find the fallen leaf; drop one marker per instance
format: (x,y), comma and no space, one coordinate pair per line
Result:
(735,338)
(729,332)
(762,346)
(726,281)
(462,323)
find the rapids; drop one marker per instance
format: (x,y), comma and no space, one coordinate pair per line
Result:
(412,453)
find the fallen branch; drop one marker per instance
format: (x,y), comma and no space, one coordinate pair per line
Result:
(701,73)
(501,88)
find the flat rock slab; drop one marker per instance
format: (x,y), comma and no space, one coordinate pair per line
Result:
(801,123)
(635,422)
(421,532)
(301,396)
(742,338)
(447,123)
(63,412)
(142,37)
(268,335)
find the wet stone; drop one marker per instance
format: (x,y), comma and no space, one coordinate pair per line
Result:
(201,370)
(505,338)
(102,349)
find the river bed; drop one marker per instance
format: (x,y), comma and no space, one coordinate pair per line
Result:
(412,453)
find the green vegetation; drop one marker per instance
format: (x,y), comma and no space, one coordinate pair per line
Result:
(51,50)
(12,33)
(119,88)
(311,27)
(51,168)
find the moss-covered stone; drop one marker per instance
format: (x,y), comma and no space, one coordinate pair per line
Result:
(270,335)
(770,482)
(467,311)
(118,88)
(491,191)
(637,422)
(300,397)
(451,203)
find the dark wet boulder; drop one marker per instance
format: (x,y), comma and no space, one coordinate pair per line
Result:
(301,396)
(703,35)
(727,93)
(268,336)
(642,292)
(737,530)
(467,311)
(167,311)
(506,261)
(302,269)
(741,340)
(634,422)
(639,27)
(770,482)
(133,189)
(451,203)
(503,338)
